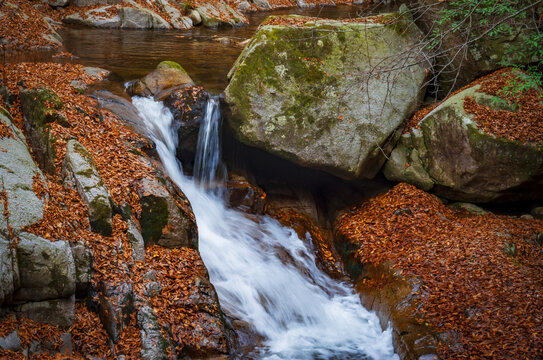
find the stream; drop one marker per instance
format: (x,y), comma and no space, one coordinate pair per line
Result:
(263,273)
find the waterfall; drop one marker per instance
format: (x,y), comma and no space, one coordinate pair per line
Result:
(263,273)
(208,151)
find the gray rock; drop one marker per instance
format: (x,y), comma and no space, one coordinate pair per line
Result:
(82,3)
(136,240)
(167,75)
(140,18)
(322,95)
(41,107)
(537,212)
(94,18)
(470,208)
(153,343)
(11,341)
(195,17)
(47,269)
(166,215)
(177,20)
(83,260)
(264,4)
(462,162)
(121,107)
(79,172)
(96,72)
(9,270)
(18,173)
(115,307)
(219,13)
(58,312)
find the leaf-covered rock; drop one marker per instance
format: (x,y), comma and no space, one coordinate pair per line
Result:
(327,94)
(474,157)
(79,172)
(20,206)
(41,107)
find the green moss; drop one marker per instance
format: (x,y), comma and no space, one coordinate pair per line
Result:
(5,113)
(154,218)
(170,65)
(100,216)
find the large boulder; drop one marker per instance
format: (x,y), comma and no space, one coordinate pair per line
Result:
(449,152)
(459,62)
(327,94)
(80,172)
(168,75)
(47,269)
(20,205)
(41,107)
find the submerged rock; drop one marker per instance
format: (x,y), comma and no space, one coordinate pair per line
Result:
(167,75)
(47,269)
(321,93)
(448,152)
(20,205)
(79,172)
(244,195)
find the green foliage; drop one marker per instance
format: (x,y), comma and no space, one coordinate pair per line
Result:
(491,19)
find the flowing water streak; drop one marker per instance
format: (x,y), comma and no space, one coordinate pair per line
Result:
(265,275)
(208,151)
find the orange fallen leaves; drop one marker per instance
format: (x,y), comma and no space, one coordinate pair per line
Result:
(470,285)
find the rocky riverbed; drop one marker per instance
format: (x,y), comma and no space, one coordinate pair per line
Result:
(426,198)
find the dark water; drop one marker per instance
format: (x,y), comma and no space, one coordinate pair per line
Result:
(206,54)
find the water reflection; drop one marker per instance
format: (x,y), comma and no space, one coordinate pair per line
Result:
(206,54)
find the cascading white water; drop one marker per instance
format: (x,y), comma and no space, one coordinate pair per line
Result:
(208,151)
(265,275)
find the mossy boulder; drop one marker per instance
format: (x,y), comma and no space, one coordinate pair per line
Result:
(19,174)
(47,269)
(41,107)
(168,75)
(451,155)
(327,94)
(79,172)
(458,63)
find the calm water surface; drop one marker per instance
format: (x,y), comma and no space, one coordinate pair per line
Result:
(206,54)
